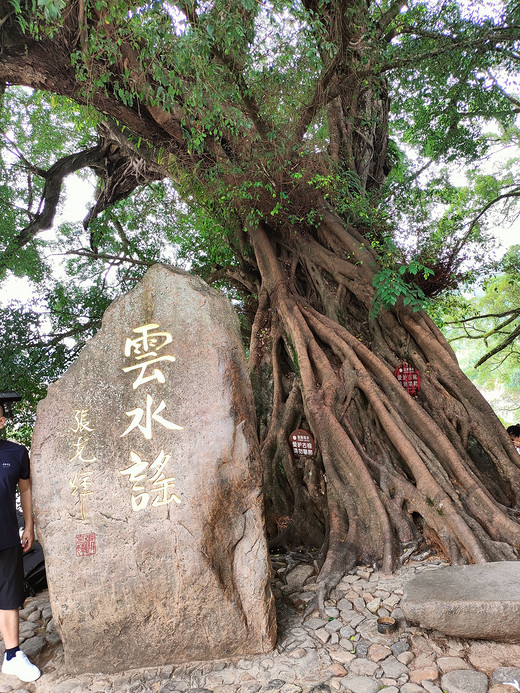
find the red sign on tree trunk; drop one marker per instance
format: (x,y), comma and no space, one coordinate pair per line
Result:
(302,442)
(409,378)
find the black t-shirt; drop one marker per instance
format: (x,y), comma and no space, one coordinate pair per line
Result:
(14,465)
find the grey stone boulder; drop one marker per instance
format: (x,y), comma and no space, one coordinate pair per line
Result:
(148,487)
(361,684)
(464,681)
(296,578)
(471,601)
(505,675)
(393,668)
(33,646)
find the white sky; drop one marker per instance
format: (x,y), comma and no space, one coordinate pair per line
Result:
(508,235)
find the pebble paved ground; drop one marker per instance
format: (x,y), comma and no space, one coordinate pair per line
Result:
(343,653)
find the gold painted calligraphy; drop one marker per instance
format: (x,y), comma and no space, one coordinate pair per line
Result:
(150,484)
(149,416)
(81,481)
(144,485)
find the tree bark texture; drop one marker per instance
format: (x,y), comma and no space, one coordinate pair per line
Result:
(391,470)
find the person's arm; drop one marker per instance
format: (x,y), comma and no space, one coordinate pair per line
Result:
(26,500)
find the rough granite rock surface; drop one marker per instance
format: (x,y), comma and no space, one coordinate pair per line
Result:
(469,601)
(147,486)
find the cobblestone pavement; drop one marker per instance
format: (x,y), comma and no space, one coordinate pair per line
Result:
(343,653)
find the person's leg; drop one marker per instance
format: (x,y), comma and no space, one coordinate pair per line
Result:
(9,627)
(15,661)
(11,594)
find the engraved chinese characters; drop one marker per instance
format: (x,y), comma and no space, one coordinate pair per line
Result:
(147,486)
(149,479)
(81,481)
(302,443)
(409,378)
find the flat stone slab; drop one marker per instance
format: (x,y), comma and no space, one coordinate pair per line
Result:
(471,601)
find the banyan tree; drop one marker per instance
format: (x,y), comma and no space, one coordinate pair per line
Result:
(286,123)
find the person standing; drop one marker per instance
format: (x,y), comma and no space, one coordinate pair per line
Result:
(14,471)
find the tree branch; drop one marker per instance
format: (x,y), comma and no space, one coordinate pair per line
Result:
(57,338)
(506,342)
(234,276)
(447,43)
(230,62)
(392,12)
(54,177)
(319,99)
(458,246)
(514,313)
(17,152)
(116,259)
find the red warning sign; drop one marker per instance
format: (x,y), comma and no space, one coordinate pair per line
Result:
(409,378)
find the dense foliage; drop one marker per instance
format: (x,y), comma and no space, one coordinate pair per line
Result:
(484,329)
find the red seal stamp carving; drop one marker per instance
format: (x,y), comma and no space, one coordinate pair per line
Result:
(85,544)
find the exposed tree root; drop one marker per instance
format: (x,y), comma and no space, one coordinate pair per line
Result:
(397,468)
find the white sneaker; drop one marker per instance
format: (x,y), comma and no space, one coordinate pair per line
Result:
(20,666)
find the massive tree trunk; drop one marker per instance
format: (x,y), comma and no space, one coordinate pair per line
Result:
(391,470)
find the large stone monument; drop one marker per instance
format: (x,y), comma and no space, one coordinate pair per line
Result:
(147,487)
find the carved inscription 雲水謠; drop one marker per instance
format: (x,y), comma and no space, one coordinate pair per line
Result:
(149,478)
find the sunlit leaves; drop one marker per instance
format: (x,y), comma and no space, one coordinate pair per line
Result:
(34,128)
(266,112)
(484,330)
(443,103)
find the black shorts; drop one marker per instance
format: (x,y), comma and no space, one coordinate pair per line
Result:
(11,578)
